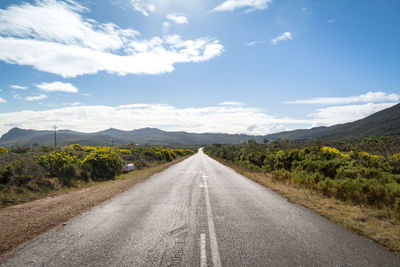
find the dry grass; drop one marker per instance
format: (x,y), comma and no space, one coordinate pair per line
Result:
(22,223)
(377,224)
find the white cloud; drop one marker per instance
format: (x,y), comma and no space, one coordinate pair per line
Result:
(330,21)
(17,96)
(282,37)
(142,6)
(2,100)
(57,87)
(250,5)
(220,118)
(52,36)
(166,25)
(342,114)
(364,98)
(35,98)
(179,19)
(18,87)
(254,43)
(304,9)
(231,103)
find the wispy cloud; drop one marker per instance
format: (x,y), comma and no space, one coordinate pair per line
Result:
(348,113)
(17,96)
(57,87)
(179,19)
(254,43)
(166,25)
(330,21)
(249,5)
(35,98)
(27,37)
(282,37)
(231,103)
(18,87)
(2,100)
(364,98)
(144,7)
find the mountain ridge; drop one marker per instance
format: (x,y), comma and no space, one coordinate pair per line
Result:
(143,136)
(382,123)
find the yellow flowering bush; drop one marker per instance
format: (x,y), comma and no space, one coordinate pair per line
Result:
(330,150)
(89,148)
(125,151)
(3,150)
(76,147)
(366,155)
(57,162)
(103,164)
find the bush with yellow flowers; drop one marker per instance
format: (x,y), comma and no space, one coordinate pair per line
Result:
(103,164)
(60,164)
(3,151)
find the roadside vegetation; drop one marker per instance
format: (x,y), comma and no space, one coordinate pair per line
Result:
(358,189)
(354,176)
(28,173)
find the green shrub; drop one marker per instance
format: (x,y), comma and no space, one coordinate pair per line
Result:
(281,174)
(56,164)
(3,151)
(20,149)
(23,179)
(103,164)
(6,174)
(76,147)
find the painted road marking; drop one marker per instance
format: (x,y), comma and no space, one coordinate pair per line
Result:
(211,228)
(203,180)
(203,252)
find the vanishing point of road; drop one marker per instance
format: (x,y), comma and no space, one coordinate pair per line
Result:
(201,213)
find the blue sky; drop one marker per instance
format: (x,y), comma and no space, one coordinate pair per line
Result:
(236,66)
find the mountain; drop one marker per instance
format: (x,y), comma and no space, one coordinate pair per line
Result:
(382,123)
(150,136)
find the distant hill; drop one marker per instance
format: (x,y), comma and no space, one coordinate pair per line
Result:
(150,136)
(382,123)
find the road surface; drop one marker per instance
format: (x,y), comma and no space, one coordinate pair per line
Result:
(201,213)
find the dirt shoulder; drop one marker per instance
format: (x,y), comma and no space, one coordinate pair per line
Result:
(22,223)
(376,224)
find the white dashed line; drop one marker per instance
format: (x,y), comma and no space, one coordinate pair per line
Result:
(211,228)
(203,252)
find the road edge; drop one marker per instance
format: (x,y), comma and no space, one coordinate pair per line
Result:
(29,226)
(364,221)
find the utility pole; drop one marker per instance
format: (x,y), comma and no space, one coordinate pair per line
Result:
(55,135)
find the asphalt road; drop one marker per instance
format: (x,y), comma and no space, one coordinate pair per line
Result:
(201,213)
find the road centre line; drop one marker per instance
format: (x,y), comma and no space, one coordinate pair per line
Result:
(211,228)
(203,252)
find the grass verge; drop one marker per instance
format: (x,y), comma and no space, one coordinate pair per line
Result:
(25,222)
(376,224)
